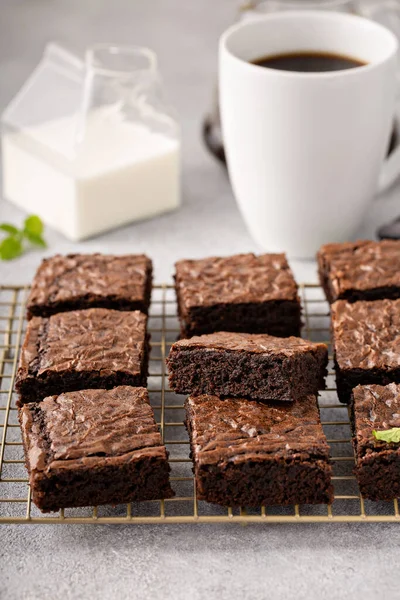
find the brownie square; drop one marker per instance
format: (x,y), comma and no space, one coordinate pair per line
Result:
(94,447)
(362,270)
(366,344)
(376,407)
(250,365)
(80,281)
(245,293)
(251,454)
(93,348)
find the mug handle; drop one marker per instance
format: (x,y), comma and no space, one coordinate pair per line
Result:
(387,13)
(390,170)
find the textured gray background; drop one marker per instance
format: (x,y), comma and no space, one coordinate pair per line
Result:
(146,562)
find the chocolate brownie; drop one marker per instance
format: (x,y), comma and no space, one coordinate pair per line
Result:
(93,348)
(255,366)
(366,343)
(94,447)
(79,281)
(246,293)
(251,454)
(376,407)
(362,270)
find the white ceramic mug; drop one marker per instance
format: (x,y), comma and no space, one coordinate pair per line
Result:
(305,150)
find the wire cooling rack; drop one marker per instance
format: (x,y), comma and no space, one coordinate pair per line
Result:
(15,499)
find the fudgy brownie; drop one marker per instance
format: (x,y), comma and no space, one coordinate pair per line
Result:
(376,407)
(94,447)
(366,343)
(255,366)
(92,348)
(362,270)
(246,293)
(251,454)
(79,281)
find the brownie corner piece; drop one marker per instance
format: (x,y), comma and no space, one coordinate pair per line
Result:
(361,270)
(366,344)
(79,281)
(376,407)
(94,447)
(245,365)
(92,348)
(244,292)
(250,454)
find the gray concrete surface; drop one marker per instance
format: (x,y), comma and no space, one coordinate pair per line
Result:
(181,562)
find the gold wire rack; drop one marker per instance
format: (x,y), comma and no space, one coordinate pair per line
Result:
(15,498)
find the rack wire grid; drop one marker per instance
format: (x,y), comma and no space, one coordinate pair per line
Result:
(15,497)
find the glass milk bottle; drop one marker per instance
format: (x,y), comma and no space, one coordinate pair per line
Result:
(91,145)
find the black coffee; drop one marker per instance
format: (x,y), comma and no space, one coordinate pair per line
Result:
(308,62)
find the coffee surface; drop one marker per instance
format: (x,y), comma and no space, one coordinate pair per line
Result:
(308,62)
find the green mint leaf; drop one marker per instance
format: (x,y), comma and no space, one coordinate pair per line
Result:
(8,228)
(35,239)
(33,225)
(388,435)
(10,248)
